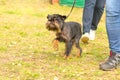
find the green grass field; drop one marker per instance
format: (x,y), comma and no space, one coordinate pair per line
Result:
(26,51)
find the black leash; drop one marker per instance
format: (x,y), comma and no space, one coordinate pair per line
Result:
(71,9)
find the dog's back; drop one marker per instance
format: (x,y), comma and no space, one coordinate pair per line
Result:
(73,27)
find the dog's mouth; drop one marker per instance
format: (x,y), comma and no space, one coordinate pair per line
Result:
(51,27)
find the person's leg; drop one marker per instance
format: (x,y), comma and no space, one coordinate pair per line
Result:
(88,15)
(98,11)
(113,30)
(87,18)
(113,25)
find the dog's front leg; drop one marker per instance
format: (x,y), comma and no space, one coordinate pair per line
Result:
(55,44)
(68,49)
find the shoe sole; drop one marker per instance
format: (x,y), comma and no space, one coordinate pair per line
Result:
(108,69)
(85,39)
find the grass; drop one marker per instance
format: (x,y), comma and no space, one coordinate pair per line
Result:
(26,51)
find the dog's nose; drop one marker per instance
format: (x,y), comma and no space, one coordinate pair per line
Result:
(50,19)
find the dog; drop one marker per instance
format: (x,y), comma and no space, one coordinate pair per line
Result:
(67,32)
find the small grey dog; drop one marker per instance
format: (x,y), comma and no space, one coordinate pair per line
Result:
(67,32)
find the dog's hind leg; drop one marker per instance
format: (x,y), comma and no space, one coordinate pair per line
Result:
(79,49)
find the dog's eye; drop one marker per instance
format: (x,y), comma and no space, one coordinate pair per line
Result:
(50,19)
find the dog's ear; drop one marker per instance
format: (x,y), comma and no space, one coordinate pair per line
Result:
(48,16)
(64,17)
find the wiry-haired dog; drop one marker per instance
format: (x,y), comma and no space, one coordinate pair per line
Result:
(68,32)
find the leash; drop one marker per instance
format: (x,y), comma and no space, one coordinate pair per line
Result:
(71,9)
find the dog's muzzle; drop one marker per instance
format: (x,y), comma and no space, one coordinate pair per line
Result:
(50,26)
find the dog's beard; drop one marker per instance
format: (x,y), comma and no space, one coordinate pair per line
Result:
(53,27)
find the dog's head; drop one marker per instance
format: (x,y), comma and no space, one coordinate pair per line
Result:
(55,22)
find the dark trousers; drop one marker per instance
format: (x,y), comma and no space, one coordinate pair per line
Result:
(92,13)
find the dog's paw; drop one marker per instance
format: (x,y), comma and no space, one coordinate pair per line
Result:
(66,57)
(78,53)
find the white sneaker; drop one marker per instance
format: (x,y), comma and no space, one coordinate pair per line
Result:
(85,38)
(92,35)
